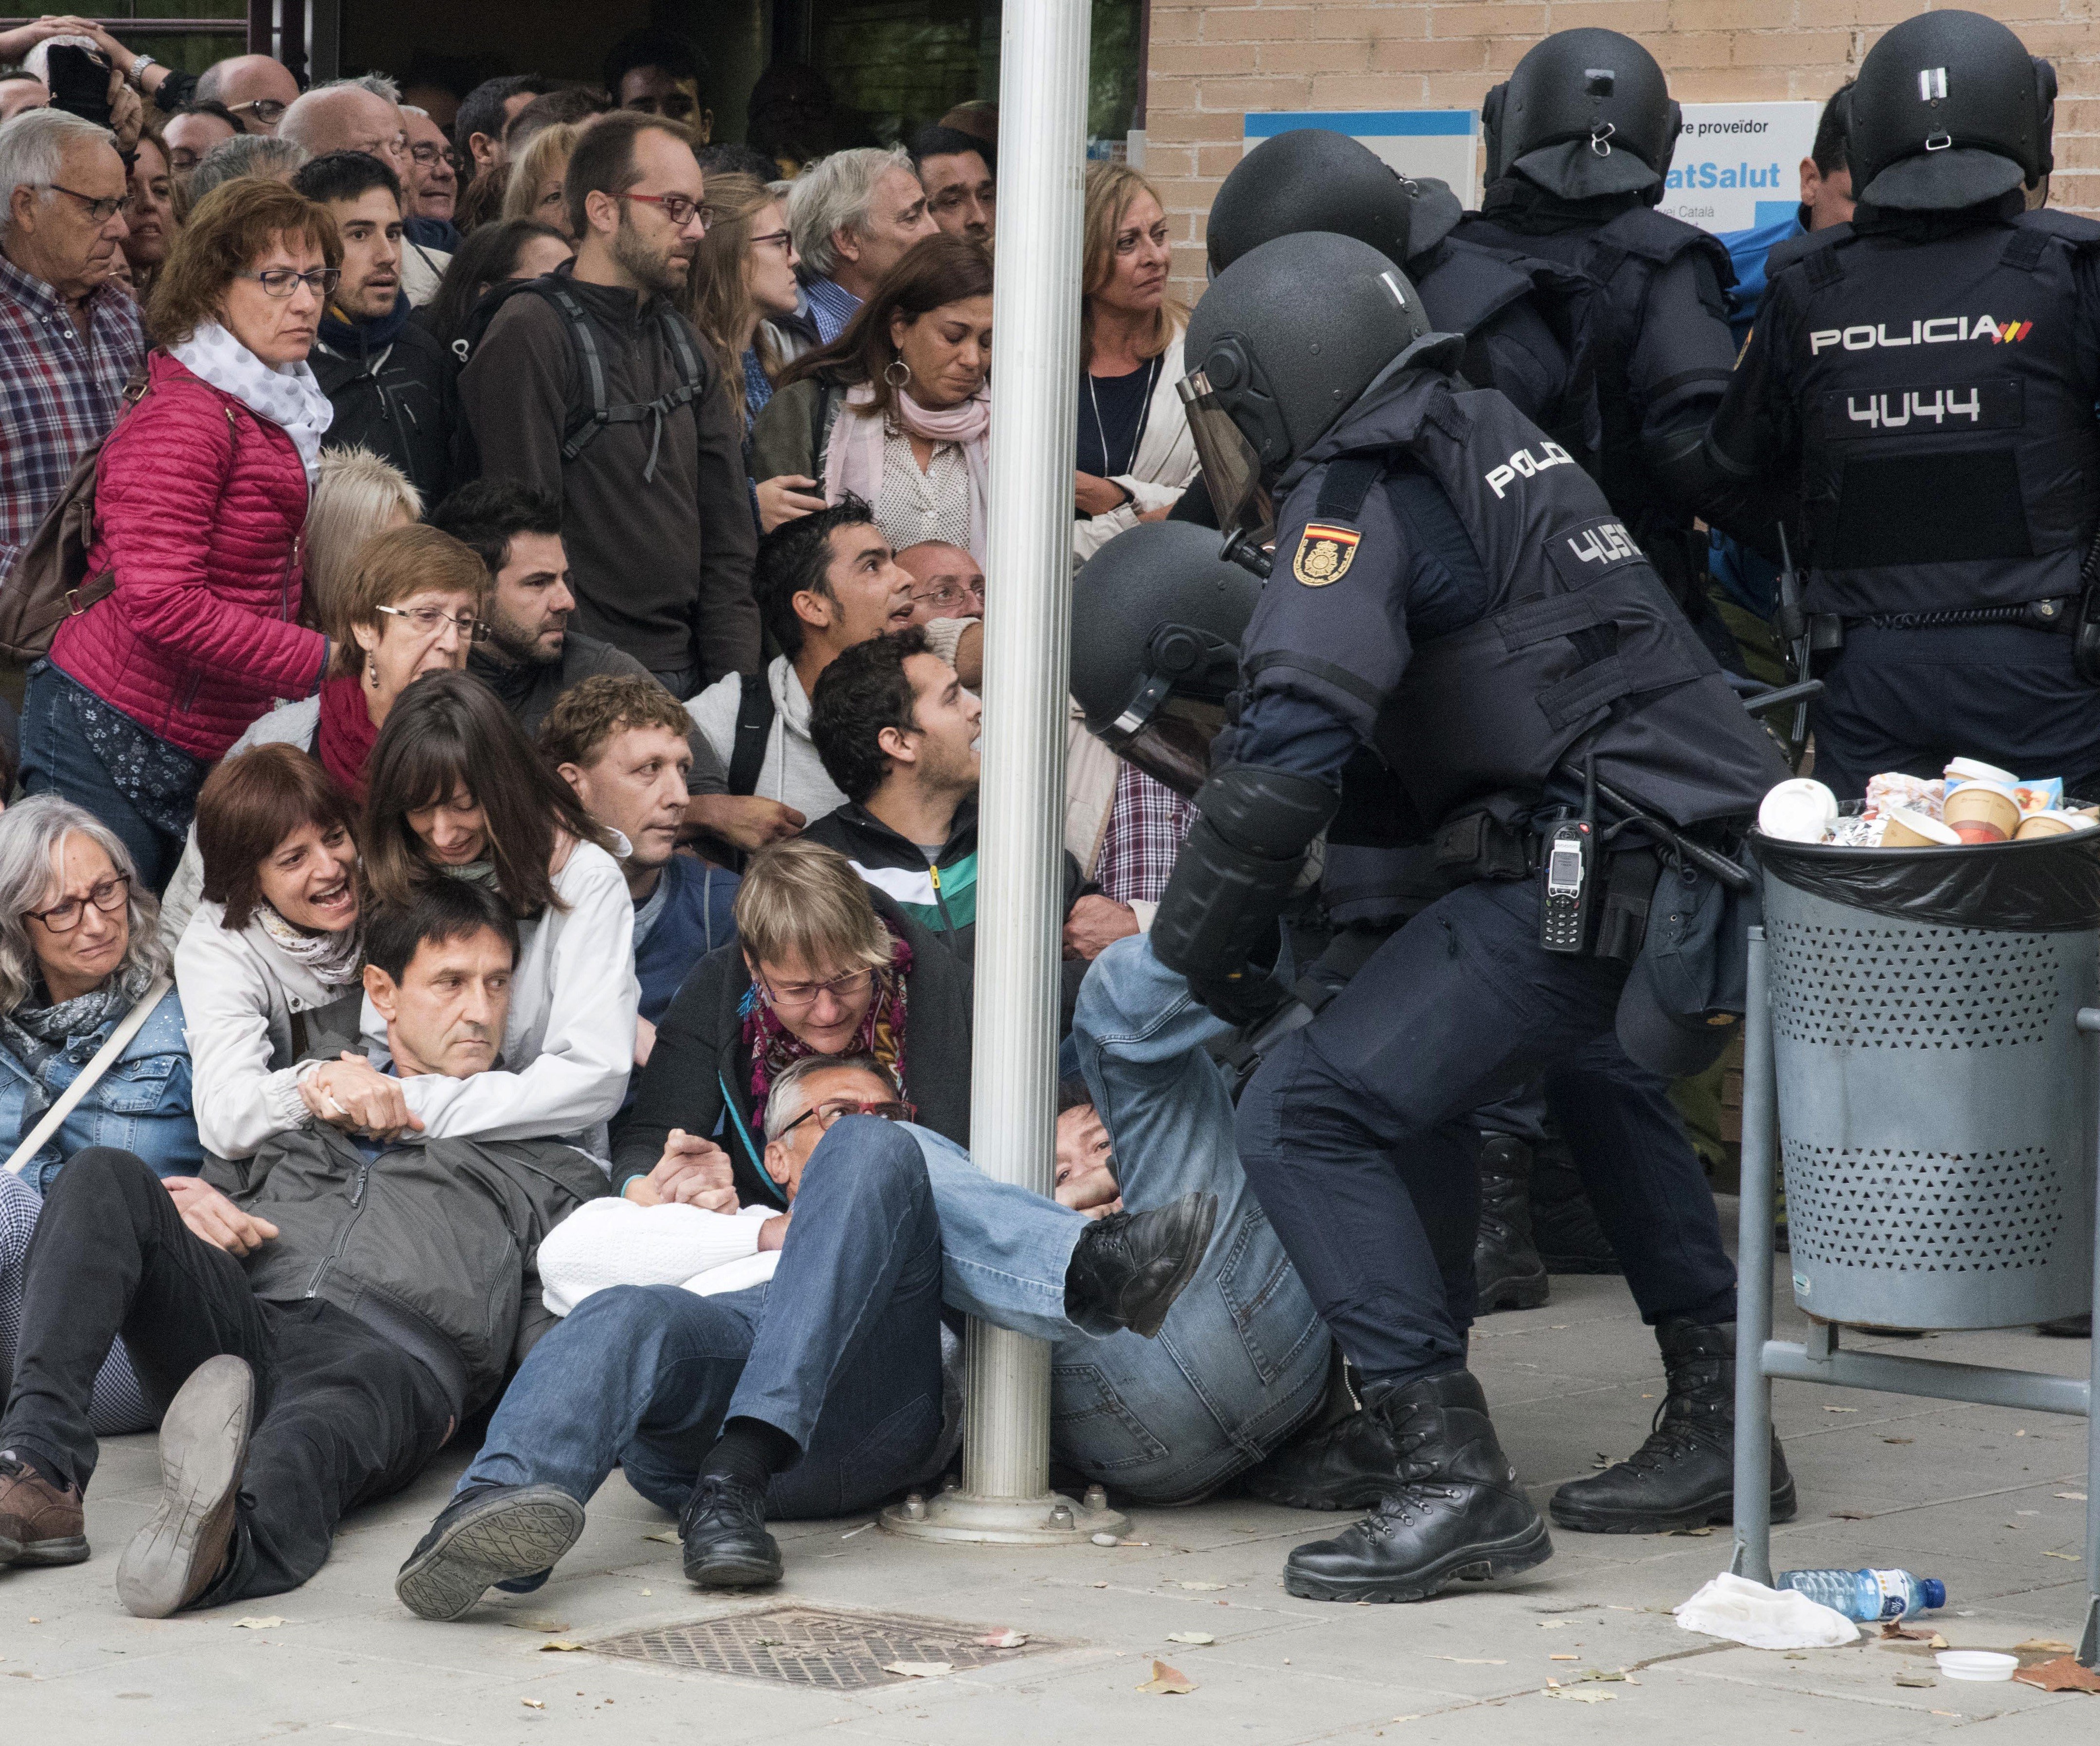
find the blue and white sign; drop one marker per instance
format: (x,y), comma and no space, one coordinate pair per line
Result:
(1440,142)
(1738,165)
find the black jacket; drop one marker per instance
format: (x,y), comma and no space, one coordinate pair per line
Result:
(401,401)
(699,1055)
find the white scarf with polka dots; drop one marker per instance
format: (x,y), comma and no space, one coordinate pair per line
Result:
(286,394)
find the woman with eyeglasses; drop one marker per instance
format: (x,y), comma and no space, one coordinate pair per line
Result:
(79,946)
(823,965)
(456,791)
(190,628)
(411,605)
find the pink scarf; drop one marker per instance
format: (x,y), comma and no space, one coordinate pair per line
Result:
(853,462)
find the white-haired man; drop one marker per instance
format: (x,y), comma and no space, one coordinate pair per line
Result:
(853,216)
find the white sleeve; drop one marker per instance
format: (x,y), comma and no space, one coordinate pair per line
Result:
(579,1077)
(614,1243)
(178,902)
(240,1100)
(713,712)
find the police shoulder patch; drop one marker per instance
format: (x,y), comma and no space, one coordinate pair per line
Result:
(1325,553)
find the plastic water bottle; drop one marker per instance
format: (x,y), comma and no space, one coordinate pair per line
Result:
(1868,1596)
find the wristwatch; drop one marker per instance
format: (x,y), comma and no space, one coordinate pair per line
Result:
(137,71)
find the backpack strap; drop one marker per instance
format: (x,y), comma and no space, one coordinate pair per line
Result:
(754,725)
(585,425)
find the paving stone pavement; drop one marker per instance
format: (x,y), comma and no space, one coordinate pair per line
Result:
(1970,1494)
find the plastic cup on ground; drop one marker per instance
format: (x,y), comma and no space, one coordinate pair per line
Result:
(1977,1664)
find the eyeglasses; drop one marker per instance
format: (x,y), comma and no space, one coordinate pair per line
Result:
(430,621)
(949,595)
(106,894)
(781,240)
(267,110)
(676,208)
(837,1109)
(282,281)
(101,210)
(427,154)
(794,997)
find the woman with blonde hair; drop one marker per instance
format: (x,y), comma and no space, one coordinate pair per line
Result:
(357,495)
(538,176)
(1135,453)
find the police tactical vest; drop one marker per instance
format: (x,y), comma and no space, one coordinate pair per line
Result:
(1585,653)
(1945,397)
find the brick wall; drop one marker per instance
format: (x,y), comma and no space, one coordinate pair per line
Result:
(1211,64)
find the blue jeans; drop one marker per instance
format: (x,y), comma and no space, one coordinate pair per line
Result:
(840,1350)
(55,760)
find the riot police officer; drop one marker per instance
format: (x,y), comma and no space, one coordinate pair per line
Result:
(1453,591)
(1925,377)
(1524,318)
(1579,144)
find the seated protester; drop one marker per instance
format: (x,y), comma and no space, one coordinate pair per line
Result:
(269,965)
(318,1320)
(533,655)
(898,733)
(802,1377)
(391,382)
(822,965)
(824,583)
(412,604)
(620,743)
(458,792)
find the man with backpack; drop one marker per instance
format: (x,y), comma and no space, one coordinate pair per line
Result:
(590,386)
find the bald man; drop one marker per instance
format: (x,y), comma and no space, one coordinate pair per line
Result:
(351,116)
(950,582)
(257,90)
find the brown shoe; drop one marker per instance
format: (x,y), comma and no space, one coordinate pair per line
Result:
(203,1447)
(39,1523)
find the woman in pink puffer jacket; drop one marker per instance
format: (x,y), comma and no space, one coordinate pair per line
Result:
(200,496)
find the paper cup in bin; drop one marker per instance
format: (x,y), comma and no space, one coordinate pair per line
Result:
(1981,812)
(1936,1099)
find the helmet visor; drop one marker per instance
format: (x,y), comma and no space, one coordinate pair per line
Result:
(1232,471)
(1174,747)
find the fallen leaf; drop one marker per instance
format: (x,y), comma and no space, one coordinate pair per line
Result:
(1579,1694)
(1553,1624)
(543,1624)
(558,1645)
(253,1622)
(2053,1645)
(1200,1639)
(1891,1631)
(2063,1674)
(2075,1497)
(1916,1679)
(1002,1639)
(1563,1658)
(1167,1681)
(1201,1588)
(1848,1515)
(668,1537)
(1690,1533)
(1840,1409)
(531,1703)
(2068,1558)
(1900,1440)
(1471,1660)
(918,1669)
(1597,1676)
(648,1594)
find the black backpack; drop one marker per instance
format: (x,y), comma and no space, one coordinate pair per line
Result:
(754,725)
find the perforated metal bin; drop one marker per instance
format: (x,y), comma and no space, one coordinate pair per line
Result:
(1935,1099)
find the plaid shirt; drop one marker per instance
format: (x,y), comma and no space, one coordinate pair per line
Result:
(1146,824)
(58,396)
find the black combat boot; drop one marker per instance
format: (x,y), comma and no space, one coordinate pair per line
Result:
(1127,1269)
(1684,1475)
(1507,1270)
(1452,1509)
(1564,1223)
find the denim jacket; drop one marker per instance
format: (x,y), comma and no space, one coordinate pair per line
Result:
(141,1104)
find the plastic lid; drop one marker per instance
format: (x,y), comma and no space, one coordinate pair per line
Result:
(1935,1592)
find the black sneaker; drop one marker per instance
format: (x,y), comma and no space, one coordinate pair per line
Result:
(493,1534)
(1507,1273)
(1127,1269)
(1453,1511)
(723,1529)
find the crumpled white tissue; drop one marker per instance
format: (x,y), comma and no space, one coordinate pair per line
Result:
(1748,1612)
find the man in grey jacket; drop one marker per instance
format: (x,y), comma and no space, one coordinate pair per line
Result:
(318,1318)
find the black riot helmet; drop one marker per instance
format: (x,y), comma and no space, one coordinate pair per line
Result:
(1585,113)
(1283,343)
(1311,179)
(1949,111)
(1159,653)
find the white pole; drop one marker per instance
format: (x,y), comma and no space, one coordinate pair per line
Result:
(1006,1494)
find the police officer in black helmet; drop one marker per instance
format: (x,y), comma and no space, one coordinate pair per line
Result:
(1523,319)
(1453,591)
(1926,378)
(1579,142)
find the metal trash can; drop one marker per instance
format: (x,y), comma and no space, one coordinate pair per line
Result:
(1936,1099)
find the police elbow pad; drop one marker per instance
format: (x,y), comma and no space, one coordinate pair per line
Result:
(1241,856)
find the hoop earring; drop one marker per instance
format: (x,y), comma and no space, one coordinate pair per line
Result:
(894,380)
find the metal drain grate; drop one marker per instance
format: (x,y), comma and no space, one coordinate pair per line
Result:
(813,1645)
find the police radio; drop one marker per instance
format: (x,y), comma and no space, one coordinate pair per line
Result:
(1570,856)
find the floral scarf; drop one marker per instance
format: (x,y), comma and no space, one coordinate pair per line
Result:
(35,1033)
(336,959)
(774,1048)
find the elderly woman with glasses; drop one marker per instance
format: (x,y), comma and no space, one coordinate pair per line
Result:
(79,947)
(411,605)
(190,628)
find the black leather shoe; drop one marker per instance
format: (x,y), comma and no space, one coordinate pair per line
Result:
(723,1527)
(1127,1269)
(493,1534)
(1347,1464)
(1506,1270)
(1684,1475)
(1564,1223)
(1453,1510)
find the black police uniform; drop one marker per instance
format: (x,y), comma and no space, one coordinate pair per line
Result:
(1929,380)
(1452,588)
